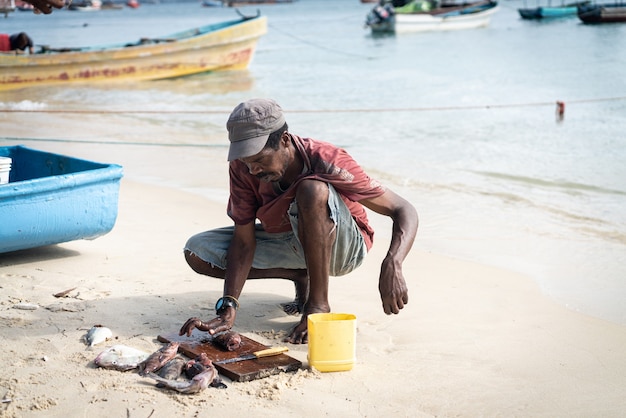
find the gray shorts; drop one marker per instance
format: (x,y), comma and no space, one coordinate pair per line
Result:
(284,250)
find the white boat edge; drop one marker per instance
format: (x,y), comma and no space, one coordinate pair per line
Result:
(406,23)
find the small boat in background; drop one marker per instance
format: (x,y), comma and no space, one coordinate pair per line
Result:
(430,15)
(23,6)
(213,3)
(86,6)
(7,6)
(109,5)
(222,46)
(549,11)
(603,13)
(133,4)
(238,3)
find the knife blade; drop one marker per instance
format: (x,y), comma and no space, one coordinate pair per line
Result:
(273,351)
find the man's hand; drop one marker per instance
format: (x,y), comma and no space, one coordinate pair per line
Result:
(223,322)
(45,6)
(391,284)
(392,287)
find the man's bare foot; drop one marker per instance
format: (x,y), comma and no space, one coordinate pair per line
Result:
(292,308)
(301,284)
(300,333)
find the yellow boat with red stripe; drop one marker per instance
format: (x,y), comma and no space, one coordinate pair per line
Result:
(222,46)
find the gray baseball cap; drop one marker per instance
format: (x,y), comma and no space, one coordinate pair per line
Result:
(249,126)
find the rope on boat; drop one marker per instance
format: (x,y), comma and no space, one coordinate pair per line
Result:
(355,110)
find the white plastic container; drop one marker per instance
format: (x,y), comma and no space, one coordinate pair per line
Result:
(5,169)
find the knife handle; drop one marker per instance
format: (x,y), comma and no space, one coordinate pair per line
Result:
(270,352)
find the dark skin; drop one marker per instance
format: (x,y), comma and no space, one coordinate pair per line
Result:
(316,233)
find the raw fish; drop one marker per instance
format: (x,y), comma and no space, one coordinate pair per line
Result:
(158,358)
(120,357)
(199,382)
(97,334)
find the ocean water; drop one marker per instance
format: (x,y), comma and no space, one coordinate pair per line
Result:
(461,123)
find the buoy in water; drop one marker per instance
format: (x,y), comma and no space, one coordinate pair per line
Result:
(560,111)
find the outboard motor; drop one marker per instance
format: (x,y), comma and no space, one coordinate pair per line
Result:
(381,18)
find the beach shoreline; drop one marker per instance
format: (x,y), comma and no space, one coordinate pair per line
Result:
(473,340)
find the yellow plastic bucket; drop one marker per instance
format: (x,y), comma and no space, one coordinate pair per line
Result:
(332,341)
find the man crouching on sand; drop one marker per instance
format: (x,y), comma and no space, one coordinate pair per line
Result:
(309,197)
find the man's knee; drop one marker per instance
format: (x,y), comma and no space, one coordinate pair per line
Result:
(312,194)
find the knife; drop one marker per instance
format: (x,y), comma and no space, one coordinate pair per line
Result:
(274,351)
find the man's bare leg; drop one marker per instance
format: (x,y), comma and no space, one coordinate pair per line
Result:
(316,232)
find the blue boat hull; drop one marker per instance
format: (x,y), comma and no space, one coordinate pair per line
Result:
(547,12)
(52,198)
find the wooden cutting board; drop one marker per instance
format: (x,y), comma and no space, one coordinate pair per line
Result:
(241,371)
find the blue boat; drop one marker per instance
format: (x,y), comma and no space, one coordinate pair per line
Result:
(550,12)
(603,13)
(52,198)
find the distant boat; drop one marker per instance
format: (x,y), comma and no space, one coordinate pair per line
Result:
(7,6)
(603,13)
(237,3)
(221,46)
(109,5)
(213,3)
(430,15)
(23,6)
(86,6)
(549,11)
(133,4)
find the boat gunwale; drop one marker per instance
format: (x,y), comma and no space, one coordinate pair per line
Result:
(130,51)
(419,18)
(454,8)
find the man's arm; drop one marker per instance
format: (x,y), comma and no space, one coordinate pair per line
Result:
(240,256)
(391,284)
(239,261)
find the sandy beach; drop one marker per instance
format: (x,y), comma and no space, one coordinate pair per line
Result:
(473,340)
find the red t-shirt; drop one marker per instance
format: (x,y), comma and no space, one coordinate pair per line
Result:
(251,198)
(5,43)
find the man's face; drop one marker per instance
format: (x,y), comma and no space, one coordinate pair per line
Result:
(268,165)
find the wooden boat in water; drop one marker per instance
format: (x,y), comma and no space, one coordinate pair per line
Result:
(6,7)
(52,198)
(221,46)
(23,6)
(551,12)
(239,3)
(603,13)
(86,6)
(430,15)
(109,5)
